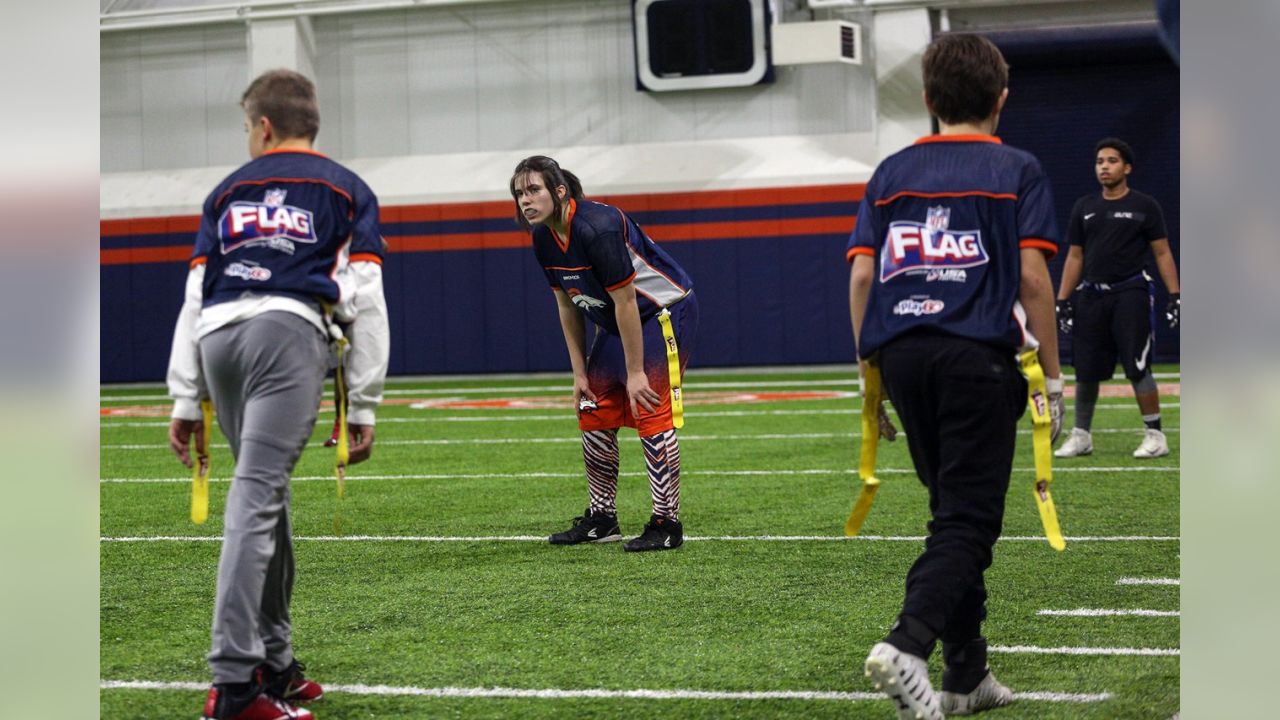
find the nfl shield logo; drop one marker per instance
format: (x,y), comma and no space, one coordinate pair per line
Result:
(275,197)
(938,218)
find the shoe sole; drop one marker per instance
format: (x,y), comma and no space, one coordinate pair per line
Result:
(1079,454)
(605,539)
(884,677)
(1148,457)
(653,548)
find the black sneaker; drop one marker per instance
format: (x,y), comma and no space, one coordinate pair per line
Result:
(589,527)
(659,534)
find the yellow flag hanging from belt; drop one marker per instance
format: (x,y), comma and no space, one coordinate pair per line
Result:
(673,368)
(1041,429)
(871,399)
(344,448)
(201,467)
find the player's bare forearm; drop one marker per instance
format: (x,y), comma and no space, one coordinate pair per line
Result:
(1071,270)
(575,334)
(627,313)
(1036,295)
(861,277)
(1165,265)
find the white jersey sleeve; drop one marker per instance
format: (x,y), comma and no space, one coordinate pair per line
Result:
(185,379)
(370,335)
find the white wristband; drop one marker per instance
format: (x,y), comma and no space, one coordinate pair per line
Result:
(1053,385)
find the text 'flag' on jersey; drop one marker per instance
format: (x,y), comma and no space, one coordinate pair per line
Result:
(946,220)
(913,247)
(603,250)
(270,223)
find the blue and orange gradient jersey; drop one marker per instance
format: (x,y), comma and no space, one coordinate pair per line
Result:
(946,220)
(603,250)
(283,224)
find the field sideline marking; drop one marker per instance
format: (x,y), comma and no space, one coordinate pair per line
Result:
(568,417)
(1036,650)
(634,473)
(543,538)
(565,387)
(1099,612)
(1148,581)
(578,439)
(556,693)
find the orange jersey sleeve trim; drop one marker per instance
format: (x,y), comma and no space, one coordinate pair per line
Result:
(366,257)
(622,284)
(963,193)
(855,251)
(197,261)
(1050,248)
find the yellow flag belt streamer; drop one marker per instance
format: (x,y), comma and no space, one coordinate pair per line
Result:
(871,398)
(1041,422)
(201,467)
(343,454)
(673,368)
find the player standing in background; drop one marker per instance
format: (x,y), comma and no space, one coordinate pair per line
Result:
(602,266)
(949,282)
(288,245)
(1109,235)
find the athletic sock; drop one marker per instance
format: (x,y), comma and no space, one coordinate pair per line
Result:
(1151,421)
(1086,400)
(662,458)
(600,454)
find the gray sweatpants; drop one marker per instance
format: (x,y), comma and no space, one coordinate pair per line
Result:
(265,376)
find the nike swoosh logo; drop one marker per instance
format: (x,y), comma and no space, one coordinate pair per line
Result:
(1142,359)
(592,531)
(1086,217)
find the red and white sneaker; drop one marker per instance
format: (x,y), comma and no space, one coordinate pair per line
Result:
(290,685)
(333,436)
(259,707)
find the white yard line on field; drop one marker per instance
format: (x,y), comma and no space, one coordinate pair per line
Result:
(595,693)
(1099,612)
(543,538)
(564,387)
(686,472)
(1148,581)
(568,417)
(578,439)
(1036,650)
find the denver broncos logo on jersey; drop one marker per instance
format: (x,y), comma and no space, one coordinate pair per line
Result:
(586,302)
(912,246)
(246,224)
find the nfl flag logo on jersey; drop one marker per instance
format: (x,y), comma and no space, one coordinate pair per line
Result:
(274,197)
(938,218)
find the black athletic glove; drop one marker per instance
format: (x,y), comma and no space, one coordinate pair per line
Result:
(1173,311)
(1066,315)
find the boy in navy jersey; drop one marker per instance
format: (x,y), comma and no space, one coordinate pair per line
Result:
(288,246)
(1110,236)
(602,267)
(949,282)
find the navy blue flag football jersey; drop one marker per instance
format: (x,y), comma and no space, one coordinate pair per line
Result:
(603,250)
(946,220)
(283,224)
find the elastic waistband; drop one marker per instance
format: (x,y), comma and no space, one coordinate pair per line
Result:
(1142,279)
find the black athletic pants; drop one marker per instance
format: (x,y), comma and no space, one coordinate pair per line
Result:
(959,402)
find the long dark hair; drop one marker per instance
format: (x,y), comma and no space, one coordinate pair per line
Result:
(553,176)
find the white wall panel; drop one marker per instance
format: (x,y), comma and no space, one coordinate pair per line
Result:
(169,98)
(468,78)
(121,104)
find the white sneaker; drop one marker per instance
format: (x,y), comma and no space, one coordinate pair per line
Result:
(905,679)
(1079,442)
(1154,445)
(989,694)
